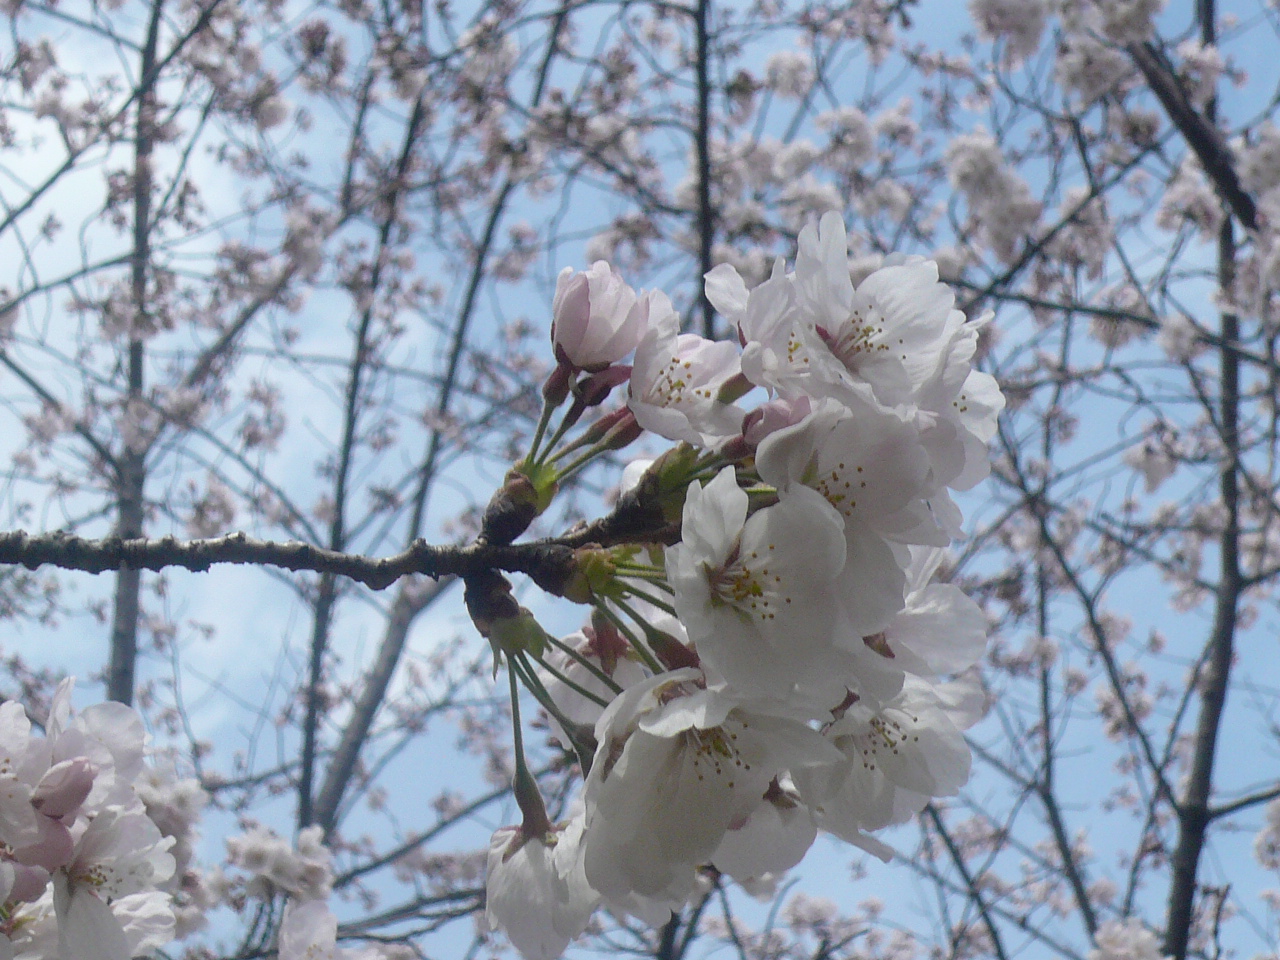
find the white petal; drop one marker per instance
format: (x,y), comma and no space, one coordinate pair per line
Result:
(87,929)
(120,730)
(941,631)
(529,899)
(726,291)
(773,839)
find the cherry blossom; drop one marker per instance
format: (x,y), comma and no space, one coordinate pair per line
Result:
(309,931)
(940,631)
(756,593)
(248,243)
(896,757)
(1125,940)
(602,647)
(536,891)
(678,765)
(870,466)
(304,870)
(121,853)
(676,382)
(597,318)
(772,840)
(880,339)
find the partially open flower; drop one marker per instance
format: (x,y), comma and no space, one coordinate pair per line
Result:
(597,319)
(535,892)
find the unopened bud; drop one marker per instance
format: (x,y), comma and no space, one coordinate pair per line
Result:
(591,391)
(519,633)
(526,492)
(594,389)
(605,641)
(64,787)
(597,431)
(556,388)
(772,416)
(736,450)
(673,654)
(627,431)
(596,318)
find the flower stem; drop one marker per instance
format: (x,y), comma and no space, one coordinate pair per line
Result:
(579,690)
(650,660)
(529,798)
(551,455)
(592,452)
(547,409)
(586,663)
(662,605)
(534,685)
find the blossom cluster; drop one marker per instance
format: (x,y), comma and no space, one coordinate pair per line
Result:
(84,869)
(303,872)
(778,659)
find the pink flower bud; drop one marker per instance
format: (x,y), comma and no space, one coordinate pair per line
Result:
(28,883)
(597,319)
(772,416)
(595,389)
(64,787)
(51,851)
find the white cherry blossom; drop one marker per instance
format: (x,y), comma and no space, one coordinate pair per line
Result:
(757,594)
(895,757)
(536,891)
(676,381)
(774,353)
(772,840)
(304,871)
(309,931)
(957,408)
(1125,939)
(884,337)
(940,631)
(870,467)
(18,824)
(677,765)
(121,853)
(609,652)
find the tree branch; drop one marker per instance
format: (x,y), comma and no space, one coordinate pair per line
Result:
(971,885)
(706,225)
(1193,810)
(1204,138)
(111,553)
(131,473)
(410,600)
